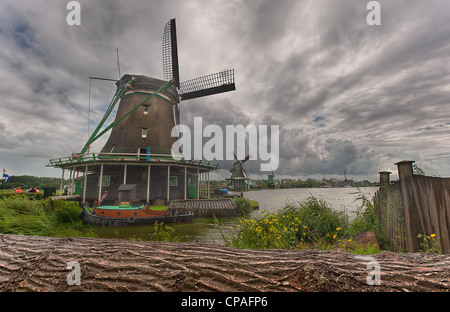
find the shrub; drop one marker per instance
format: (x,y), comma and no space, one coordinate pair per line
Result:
(317,215)
(243,205)
(311,224)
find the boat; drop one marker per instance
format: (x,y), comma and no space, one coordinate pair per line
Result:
(127,215)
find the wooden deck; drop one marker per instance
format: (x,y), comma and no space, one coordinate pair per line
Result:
(206,208)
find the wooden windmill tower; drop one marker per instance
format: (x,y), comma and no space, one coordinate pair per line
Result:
(138,150)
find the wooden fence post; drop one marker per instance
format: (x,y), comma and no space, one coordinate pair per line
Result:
(382,207)
(412,218)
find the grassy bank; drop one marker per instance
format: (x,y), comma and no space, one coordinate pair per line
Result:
(25,215)
(308,225)
(29,214)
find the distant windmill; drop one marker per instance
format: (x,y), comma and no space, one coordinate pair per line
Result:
(271,180)
(239,178)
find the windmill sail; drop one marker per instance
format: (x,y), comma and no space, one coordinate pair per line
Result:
(208,85)
(170,53)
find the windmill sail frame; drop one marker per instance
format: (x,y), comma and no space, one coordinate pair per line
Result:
(208,85)
(170,53)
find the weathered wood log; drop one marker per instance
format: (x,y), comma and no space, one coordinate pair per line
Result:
(40,264)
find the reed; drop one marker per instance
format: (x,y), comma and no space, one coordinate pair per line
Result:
(24,216)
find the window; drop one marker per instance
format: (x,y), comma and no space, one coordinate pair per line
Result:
(106,181)
(145,107)
(192,181)
(144,133)
(144,153)
(173,181)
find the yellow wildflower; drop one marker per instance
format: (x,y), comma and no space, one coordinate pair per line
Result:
(433,235)
(334,236)
(338,229)
(350,240)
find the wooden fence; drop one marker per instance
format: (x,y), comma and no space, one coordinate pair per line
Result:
(412,206)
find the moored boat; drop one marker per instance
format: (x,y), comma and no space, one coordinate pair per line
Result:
(126,215)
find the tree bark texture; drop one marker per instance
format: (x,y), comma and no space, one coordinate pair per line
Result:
(30,263)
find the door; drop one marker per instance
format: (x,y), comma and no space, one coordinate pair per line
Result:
(192,186)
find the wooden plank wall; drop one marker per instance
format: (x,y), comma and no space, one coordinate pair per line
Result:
(432,196)
(414,205)
(137,175)
(390,213)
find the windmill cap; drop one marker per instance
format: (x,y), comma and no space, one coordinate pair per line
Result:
(151,84)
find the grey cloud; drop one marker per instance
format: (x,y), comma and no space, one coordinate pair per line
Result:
(346,95)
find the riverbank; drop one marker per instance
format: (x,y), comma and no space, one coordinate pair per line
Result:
(28,215)
(311,224)
(29,263)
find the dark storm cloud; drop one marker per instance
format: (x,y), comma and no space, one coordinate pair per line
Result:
(346,95)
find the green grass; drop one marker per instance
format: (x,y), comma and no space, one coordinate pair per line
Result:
(158,208)
(25,216)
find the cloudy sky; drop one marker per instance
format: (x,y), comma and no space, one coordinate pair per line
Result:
(347,96)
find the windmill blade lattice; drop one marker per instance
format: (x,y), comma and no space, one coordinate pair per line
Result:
(170,53)
(208,85)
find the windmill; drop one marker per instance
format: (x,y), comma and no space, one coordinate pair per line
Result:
(239,178)
(139,148)
(271,180)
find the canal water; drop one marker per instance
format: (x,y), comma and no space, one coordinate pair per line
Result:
(205,229)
